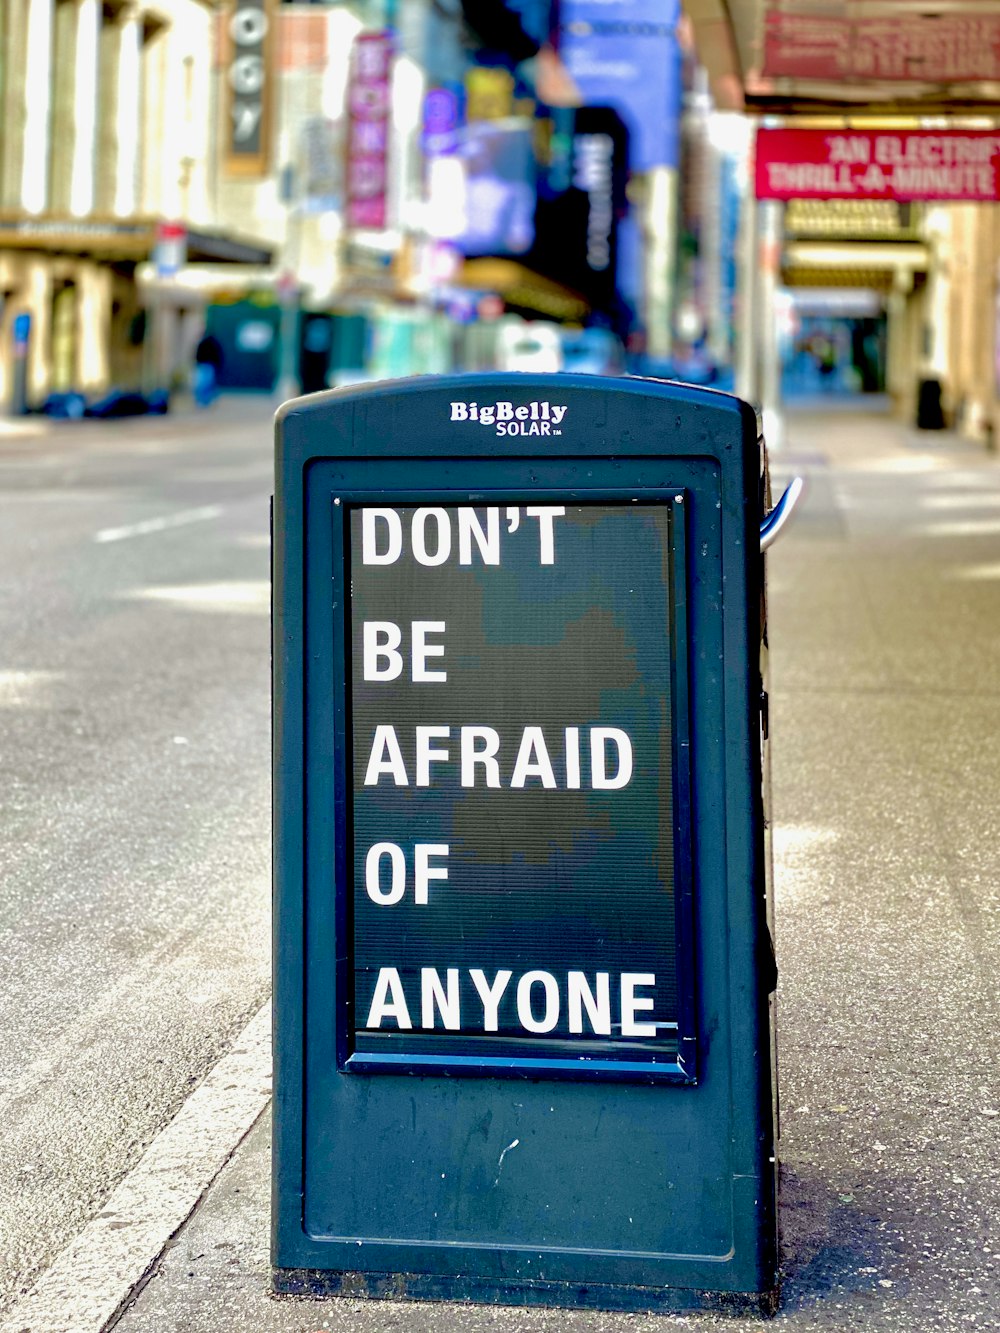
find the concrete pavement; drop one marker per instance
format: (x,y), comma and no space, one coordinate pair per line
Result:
(885,710)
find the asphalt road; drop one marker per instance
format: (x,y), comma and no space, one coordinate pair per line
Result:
(134,826)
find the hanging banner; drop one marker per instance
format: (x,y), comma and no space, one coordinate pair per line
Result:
(640,77)
(489,93)
(369,107)
(443,115)
(576,240)
(627,56)
(248,65)
(321,164)
(956,165)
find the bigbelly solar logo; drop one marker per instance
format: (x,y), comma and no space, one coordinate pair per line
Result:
(537,418)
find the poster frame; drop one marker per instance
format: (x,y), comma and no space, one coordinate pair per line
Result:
(509,1059)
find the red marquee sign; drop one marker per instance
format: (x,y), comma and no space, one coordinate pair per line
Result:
(904,165)
(907,48)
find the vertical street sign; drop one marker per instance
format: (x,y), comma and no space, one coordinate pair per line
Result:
(369,107)
(21,333)
(170,251)
(582,204)
(523,1029)
(248,75)
(442,117)
(21,336)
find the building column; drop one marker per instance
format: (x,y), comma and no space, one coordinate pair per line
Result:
(74,111)
(982,298)
(8,282)
(746,359)
(772,217)
(128,113)
(938,306)
(37,106)
(93,369)
(86,87)
(13,59)
(958,353)
(35,297)
(901,346)
(130,136)
(660,233)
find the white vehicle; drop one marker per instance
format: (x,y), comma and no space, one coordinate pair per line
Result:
(592,352)
(533,346)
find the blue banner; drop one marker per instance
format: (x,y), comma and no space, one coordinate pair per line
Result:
(655,13)
(638,74)
(22,331)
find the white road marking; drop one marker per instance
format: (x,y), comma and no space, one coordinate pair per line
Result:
(971,500)
(148,525)
(251,596)
(12,429)
(96,1273)
(973,527)
(977,573)
(18,688)
(898,463)
(969,479)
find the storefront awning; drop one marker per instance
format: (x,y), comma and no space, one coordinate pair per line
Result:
(523,288)
(865,57)
(852,264)
(211,247)
(121,240)
(884,258)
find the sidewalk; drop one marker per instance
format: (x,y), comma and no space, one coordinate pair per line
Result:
(885,710)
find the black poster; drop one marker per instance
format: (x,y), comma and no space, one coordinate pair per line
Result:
(513,806)
(581,203)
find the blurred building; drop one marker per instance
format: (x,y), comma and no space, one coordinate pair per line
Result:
(106,133)
(907,286)
(910,292)
(370,187)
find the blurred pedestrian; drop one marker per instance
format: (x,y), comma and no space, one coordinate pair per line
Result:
(207,364)
(825,355)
